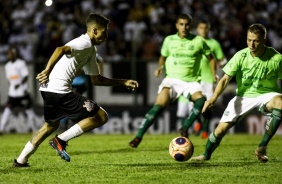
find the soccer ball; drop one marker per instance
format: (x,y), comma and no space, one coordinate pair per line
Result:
(181,149)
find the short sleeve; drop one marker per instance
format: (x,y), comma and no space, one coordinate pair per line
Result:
(164,49)
(24,69)
(91,68)
(206,49)
(232,65)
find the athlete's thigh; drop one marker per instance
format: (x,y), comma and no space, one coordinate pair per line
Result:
(237,108)
(163,97)
(275,102)
(52,112)
(77,107)
(207,89)
(222,128)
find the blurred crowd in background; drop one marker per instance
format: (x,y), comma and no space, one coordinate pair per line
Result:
(137,27)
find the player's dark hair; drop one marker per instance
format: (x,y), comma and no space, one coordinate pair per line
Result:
(95,18)
(204,22)
(185,16)
(258,29)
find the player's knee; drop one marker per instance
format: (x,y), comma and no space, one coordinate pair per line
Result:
(51,126)
(277,102)
(103,116)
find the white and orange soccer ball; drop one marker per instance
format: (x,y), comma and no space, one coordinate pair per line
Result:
(181,149)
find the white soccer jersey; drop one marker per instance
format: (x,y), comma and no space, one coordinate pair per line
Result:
(83,56)
(15,72)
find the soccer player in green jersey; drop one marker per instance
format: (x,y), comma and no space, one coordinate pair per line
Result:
(181,55)
(257,69)
(207,80)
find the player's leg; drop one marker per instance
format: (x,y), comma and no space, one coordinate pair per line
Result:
(162,101)
(84,112)
(85,125)
(5,118)
(27,104)
(31,146)
(207,115)
(275,107)
(198,99)
(31,118)
(59,142)
(183,107)
(214,140)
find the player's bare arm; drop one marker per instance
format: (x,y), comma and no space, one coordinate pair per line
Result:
(217,92)
(100,80)
(159,70)
(22,82)
(43,76)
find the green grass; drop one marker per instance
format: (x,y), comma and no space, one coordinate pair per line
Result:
(109,159)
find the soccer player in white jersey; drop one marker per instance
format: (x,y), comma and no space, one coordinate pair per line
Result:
(59,101)
(18,96)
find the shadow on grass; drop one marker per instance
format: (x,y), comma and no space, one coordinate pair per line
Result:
(121,150)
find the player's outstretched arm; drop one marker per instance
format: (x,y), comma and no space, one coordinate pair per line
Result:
(43,76)
(159,70)
(100,80)
(217,92)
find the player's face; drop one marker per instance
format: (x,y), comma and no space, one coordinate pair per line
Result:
(255,43)
(101,35)
(183,27)
(11,55)
(202,30)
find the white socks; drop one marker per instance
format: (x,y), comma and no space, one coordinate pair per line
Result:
(73,132)
(28,150)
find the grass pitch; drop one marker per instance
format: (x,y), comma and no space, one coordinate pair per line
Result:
(109,159)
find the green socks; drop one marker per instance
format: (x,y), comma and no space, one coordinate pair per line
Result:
(149,119)
(195,112)
(271,126)
(206,118)
(212,143)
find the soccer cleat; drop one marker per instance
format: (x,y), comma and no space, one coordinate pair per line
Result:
(205,135)
(60,146)
(183,133)
(260,153)
(135,142)
(16,164)
(199,158)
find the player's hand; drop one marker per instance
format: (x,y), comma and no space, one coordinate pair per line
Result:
(208,104)
(43,77)
(131,84)
(158,72)
(17,86)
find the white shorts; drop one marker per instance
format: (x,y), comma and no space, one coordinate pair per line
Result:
(238,107)
(207,89)
(184,107)
(178,87)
